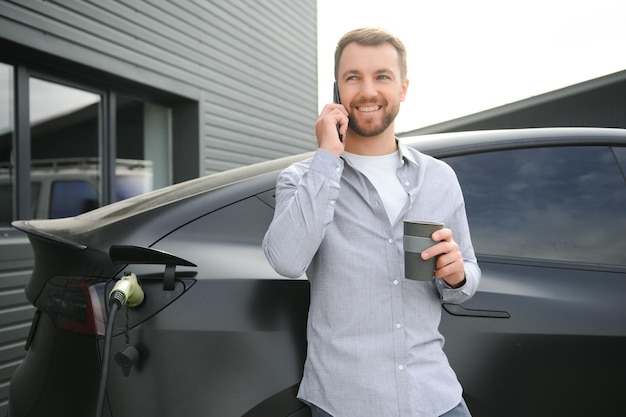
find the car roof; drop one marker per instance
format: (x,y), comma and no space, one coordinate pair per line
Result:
(438,145)
(443,145)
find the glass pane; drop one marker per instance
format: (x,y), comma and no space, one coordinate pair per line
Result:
(620,155)
(7,168)
(71,198)
(143,147)
(546,203)
(64,142)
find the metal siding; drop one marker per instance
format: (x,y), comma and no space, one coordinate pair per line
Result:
(261,109)
(16,312)
(254,63)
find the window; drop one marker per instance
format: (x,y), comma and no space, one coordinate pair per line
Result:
(66,144)
(58,127)
(557,203)
(144,136)
(7,167)
(65,126)
(71,198)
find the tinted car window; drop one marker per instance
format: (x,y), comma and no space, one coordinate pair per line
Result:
(620,155)
(71,198)
(558,203)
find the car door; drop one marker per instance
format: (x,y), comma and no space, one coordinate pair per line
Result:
(545,334)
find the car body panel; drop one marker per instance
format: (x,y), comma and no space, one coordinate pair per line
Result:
(541,337)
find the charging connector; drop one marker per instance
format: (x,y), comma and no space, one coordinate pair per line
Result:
(127,291)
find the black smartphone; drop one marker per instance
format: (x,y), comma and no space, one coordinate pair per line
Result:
(337,100)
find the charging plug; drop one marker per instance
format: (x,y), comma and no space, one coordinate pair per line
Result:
(127,291)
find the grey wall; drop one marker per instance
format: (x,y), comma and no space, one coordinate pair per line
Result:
(16,263)
(251,66)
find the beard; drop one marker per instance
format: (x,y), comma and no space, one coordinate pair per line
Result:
(373,128)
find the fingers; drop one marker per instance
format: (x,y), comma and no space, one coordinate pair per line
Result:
(450,265)
(332,115)
(446,244)
(442,234)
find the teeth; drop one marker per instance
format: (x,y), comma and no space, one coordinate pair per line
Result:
(366,109)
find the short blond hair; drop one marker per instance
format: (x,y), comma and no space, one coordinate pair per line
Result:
(372,37)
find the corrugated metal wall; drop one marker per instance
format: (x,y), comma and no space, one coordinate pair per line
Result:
(258,103)
(251,67)
(16,263)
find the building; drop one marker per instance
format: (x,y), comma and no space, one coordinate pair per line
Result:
(101,100)
(600,102)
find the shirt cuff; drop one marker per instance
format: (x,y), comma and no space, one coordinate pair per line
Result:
(327,163)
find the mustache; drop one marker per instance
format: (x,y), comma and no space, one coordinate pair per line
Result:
(368,101)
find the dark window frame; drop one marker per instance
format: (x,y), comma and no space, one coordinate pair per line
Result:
(29,63)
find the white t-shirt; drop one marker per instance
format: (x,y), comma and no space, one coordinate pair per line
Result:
(381,171)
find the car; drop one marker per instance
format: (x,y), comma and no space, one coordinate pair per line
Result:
(214,331)
(69,186)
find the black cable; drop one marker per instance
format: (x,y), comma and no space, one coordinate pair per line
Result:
(115,303)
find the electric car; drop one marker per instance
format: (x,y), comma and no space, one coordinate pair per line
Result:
(205,327)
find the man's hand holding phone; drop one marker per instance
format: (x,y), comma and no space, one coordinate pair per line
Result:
(331,125)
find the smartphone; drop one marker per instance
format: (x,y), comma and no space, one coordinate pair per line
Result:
(337,100)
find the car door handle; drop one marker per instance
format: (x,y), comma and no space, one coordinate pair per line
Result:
(458,310)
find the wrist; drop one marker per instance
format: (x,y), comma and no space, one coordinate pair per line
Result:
(458,284)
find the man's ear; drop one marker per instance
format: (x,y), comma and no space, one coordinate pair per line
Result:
(405,87)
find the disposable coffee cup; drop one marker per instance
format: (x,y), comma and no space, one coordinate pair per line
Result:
(417,238)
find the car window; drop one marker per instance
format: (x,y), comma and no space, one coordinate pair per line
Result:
(71,198)
(620,155)
(554,203)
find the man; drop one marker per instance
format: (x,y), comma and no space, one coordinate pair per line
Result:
(374,348)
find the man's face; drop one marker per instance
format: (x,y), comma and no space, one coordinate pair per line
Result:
(371,87)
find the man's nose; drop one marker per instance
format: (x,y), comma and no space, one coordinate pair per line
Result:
(368,89)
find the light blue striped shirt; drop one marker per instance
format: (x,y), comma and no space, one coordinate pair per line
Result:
(374,347)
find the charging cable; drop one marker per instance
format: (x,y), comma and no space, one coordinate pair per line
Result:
(126,291)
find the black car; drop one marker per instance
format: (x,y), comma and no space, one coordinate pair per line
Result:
(219,333)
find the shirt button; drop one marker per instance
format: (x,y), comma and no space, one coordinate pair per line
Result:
(407,183)
(337,169)
(332,202)
(395,282)
(398,326)
(390,241)
(400,367)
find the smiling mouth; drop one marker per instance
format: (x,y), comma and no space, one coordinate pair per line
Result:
(369,109)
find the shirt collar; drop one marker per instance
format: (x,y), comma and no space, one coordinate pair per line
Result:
(403,150)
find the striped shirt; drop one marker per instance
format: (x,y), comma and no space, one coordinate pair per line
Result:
(374,347)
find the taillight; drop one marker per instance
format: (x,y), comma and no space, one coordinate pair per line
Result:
(75,304)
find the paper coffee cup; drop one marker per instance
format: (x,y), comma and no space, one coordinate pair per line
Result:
(417,239)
